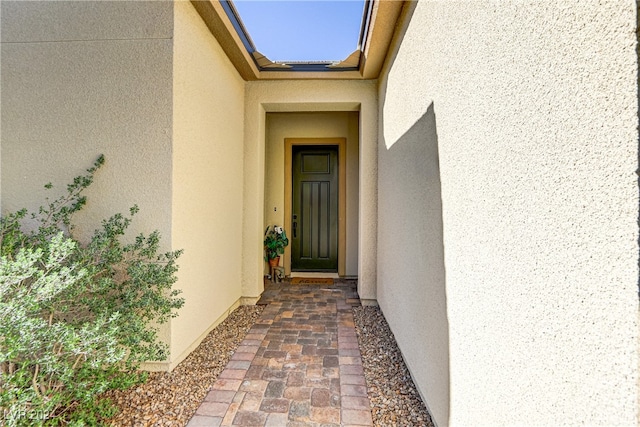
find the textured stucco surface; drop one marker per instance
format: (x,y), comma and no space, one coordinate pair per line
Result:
(208,106)
(308,96)
(530,111)
(312,125)
(64,102)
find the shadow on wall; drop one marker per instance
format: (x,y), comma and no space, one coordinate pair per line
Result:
(411,267)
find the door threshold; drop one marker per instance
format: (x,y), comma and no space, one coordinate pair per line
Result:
(314,274)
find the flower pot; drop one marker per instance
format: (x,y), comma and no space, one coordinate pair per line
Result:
(274,262)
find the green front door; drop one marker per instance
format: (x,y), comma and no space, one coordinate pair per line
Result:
(314,234)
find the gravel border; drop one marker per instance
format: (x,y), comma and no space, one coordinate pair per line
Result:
(171,398)
(393,396)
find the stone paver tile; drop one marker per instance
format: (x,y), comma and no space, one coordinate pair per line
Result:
(331,372)
(273,345)
(230,415)
(294,366)
(349,352)
(309,349)
(275,405)
(254,337)
(346,345)
(353,390)
(275,363)
(259,361)
(351,370)
(232,374)
(297,393)
(239,364)
(274,354)
(247,349)
(352,379)
(335,400)
(317,382)
(254,372)
(243,356)
(314,372)
(299,411)
(290,339)
(295,379)
(330,362)
(274,389)
(325,343)
(271,374)
(213,409)
(350,360)
(357,417)
(224,384)
(327,352)
(291,348)
(249,418)
(325,415)
(335,385)
(251,401)
(355,402)
(204,421)
(254,385)
(320,397)
(224,396)
(276,420)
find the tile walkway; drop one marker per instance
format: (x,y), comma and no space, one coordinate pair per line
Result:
(299,365)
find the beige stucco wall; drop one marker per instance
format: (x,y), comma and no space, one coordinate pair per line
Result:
(312,125)
(208,113)
(80,79)
(308,96)
(520,286)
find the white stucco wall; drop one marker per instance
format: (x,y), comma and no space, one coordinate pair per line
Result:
(312,125)
(518,306)
(83,78)
(208,106)
(71,92)
(308,96)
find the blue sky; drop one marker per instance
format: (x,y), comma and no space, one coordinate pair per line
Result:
(302,30)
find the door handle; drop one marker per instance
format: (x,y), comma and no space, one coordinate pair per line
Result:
(295,229)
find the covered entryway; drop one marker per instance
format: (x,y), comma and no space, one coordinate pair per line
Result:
(311,188)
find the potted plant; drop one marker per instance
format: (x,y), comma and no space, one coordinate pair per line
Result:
(275,240)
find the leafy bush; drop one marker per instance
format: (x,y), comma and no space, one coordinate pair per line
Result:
(76,319)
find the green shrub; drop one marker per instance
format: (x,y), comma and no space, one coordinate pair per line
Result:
(76,319)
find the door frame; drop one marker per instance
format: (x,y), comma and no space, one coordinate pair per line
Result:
(289,143)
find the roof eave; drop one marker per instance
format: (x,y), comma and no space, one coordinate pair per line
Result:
(384,16)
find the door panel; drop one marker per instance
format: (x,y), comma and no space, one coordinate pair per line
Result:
(314,238)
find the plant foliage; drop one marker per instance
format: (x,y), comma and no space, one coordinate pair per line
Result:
(275,240)
(77,319)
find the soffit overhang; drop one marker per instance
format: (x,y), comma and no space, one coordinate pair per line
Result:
(367,62)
